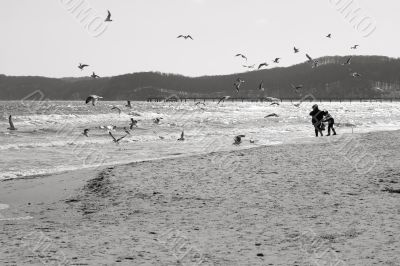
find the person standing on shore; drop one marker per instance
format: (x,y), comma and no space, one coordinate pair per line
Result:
(328,118)
(317,118)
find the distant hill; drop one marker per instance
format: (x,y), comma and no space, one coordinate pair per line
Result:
(380,78)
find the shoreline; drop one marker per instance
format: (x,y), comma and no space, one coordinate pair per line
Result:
(258,206)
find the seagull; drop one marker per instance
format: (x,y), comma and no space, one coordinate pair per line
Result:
(94,76)
(296,50)
(182,138)
(116,108)
(276,60)
(356,75)
(274,103)
(261,86)
(81,66)
(329,35)
(262,65)
(249,66)
(312,61)
(242,56)
(11,123)
(223,99)
(271,115)
(108,19)
(93,98)
(111,127)
(297,88)
(238,139)
(238,83)
(347,62)
(185,37)
(354,47)
(157,120)
(200,103)
(116,141)
(85,132)
(128,104)
(133,123)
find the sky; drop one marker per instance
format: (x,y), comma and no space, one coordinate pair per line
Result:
(51,37)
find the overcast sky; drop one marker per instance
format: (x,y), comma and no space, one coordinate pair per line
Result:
(43,37)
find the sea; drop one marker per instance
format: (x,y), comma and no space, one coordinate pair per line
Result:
(49,137)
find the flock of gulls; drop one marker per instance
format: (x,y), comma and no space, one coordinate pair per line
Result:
(238,83)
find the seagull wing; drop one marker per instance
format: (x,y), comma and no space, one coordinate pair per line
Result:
(109,132)
(309,57)
(108,15)
(88,99)
(121,138)
(348,60)
(190,37)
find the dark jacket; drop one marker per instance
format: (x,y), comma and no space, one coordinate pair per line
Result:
(317,116)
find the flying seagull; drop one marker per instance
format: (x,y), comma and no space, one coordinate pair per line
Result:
(296,88)
(261,86)
(329,35)
(242,56)
(93,99)
(238,83)
(223,99)
(108,19)
(271,115)
(128,104)
(85,132)
(276,60)
(200,103)
(296,50)
(116,141)
(249,66)
(356,75)
(133,123)
(11,123)
(312,61)
(185,37)
(274,103)
(238,139)
(182,136)
(354,47)
(82,66)
(262,65)
(94,76)
(347,61)
(116,108)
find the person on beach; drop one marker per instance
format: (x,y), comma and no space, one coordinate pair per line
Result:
(328,118)
(317,119)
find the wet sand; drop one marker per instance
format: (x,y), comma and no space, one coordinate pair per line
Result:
(332,200)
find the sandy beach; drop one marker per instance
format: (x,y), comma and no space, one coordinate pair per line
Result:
(331,201)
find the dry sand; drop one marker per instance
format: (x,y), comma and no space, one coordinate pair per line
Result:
(333,201)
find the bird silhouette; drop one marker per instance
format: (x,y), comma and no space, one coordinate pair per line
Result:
(116,141)
(354,47)
(94,76)
(82,66)
(185,37)
(223,99)
(276,60)
(108,19)
(93,99)
(85,132)
(262,65)
(11,123)
(296,50)
(329,35)
(182,138)
(348,61)
(242,56)
(261,86)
